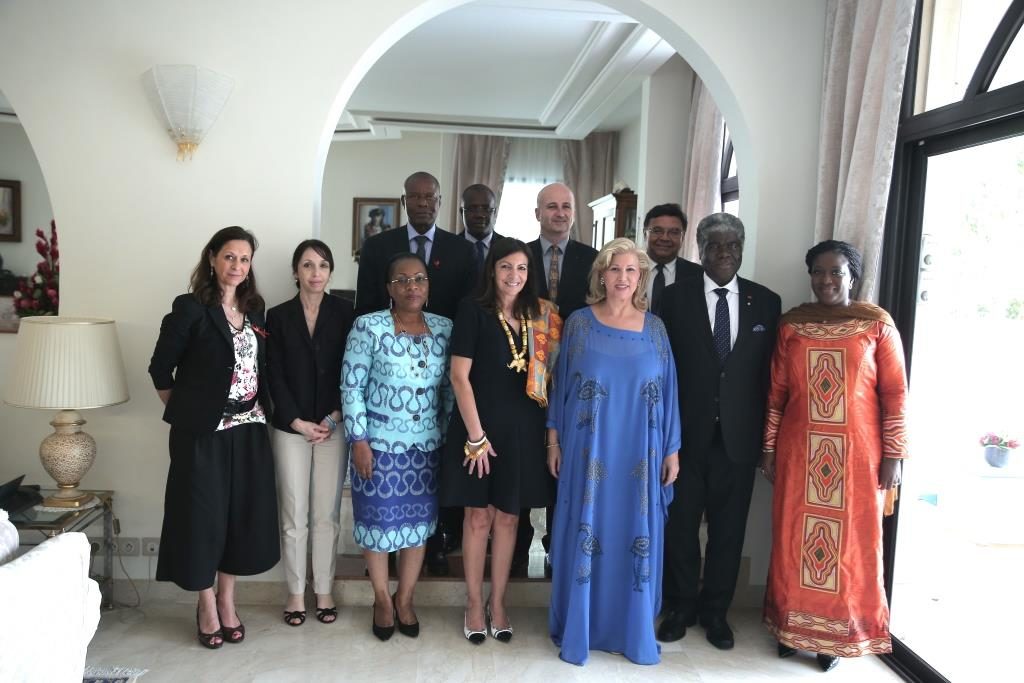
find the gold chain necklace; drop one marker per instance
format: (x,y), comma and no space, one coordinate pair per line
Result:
(421,340)
(518,357)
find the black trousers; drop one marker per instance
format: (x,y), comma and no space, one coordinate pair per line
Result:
(220,507)
(709,482)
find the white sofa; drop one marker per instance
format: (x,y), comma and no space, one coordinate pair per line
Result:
(50,610)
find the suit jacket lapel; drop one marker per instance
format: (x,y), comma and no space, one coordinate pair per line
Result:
(746,300)
(220,322)
(698,303)
(538,259)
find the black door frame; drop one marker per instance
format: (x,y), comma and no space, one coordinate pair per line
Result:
(981,117)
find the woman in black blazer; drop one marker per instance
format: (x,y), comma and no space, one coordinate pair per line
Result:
(220,509)
(304,350)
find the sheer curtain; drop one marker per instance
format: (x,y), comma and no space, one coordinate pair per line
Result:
(866,44)
(532,164)
(476,159)
(590,173)
(703,193)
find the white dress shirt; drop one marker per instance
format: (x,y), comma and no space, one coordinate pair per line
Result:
(487,241)
(732,299)
(429,234)
(669,269)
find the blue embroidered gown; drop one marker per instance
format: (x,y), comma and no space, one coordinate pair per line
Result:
(616,409)
(396,394)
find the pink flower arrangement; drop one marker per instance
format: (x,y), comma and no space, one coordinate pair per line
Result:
(993,439)
(38,294)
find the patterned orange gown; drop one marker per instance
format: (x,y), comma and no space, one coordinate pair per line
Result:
(835,408)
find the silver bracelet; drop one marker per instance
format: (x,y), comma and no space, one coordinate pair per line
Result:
(330,421)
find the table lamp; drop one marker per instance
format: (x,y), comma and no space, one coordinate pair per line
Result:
(67,364)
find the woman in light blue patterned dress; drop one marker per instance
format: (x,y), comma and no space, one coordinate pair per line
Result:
(396,399)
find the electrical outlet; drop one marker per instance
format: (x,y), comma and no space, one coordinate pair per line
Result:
(126,547)
(96,546)
(150,547)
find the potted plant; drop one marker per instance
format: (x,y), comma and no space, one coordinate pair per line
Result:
(38,294)
(997,449)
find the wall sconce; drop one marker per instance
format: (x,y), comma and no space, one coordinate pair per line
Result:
(188,99)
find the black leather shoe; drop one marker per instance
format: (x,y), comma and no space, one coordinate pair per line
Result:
(718,632)
(437,563)
(673,626)
(827,662)
(382,632)
(786,651)
(411,630)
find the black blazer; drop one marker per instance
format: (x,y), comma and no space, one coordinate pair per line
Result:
(573,284)
(472,245)
(305,372)
(736,393)
(452,271)
(686,269)
(195,357)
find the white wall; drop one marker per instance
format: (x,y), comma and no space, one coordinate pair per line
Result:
(664,131)
(134,219)
(18,162)
(627,164)
(372,168)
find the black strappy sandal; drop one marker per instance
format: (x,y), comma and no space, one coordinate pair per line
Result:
(326,615)
(296,618)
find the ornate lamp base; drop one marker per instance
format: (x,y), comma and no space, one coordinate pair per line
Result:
(67,455)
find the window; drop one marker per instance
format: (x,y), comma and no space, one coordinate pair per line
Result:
(730,177)
(532,164)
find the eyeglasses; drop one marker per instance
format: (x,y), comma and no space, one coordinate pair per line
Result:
(838,273)
(403,281)
(485,210)
(716,247)
(416,197)
(661,232)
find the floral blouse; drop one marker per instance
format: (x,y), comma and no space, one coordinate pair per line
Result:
(244,379)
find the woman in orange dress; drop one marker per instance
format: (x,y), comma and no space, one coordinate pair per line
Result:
(834,439)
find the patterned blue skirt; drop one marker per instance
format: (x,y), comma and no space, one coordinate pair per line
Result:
(397,507)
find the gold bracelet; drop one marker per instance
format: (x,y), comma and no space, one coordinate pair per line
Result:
(473,452)
(552,445)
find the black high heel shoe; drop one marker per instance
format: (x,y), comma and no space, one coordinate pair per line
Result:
(206,639)
(382,632)
(411,630)
(786,651)
(232,634)
(827,662)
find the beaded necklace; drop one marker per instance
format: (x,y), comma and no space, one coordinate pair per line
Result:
(421,340)
(518,357)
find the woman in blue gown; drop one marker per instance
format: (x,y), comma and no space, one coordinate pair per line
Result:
(613,442)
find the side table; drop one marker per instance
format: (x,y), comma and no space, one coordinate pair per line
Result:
(51,524)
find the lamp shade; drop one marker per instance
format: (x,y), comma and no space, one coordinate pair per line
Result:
(187,99)
(65,363)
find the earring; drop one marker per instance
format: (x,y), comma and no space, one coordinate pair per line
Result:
(601,281)
(391,303)
(211,271)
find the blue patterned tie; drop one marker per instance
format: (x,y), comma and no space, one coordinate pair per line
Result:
(722,333)
(421,246)
(481,255)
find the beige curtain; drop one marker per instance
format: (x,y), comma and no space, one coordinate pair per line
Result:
(703,187)
(866,44)
(476,159)
(590,173)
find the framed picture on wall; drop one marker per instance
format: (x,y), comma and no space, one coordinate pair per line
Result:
(10,210)
(370,217)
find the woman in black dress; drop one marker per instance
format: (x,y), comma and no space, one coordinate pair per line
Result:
(208,367)
(494,462)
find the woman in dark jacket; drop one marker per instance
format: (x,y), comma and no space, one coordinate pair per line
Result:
(304,350)
(220,509)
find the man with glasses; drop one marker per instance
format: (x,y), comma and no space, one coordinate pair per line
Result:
(478,213)
(722,331)
(450,268)
(449,259)
(664,229)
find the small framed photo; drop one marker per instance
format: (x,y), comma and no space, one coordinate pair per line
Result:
(371,217)
(10,210)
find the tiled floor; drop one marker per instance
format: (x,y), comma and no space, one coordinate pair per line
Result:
(161,638)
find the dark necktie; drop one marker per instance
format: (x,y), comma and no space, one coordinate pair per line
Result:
(553,274)
(421,246)
(721,334)
(481,255)
(657,288)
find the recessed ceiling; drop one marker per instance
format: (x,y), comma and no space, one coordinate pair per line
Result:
(541,69)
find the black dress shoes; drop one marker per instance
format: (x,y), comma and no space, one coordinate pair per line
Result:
(718,632)
(673,626)
(786,651)
(827,662)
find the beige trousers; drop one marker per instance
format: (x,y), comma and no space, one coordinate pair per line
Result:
(309,481)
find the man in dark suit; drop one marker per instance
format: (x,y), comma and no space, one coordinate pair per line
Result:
(449,259)
(722,331)
(561,267)
(451,270)
(665,228)
(478,213)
